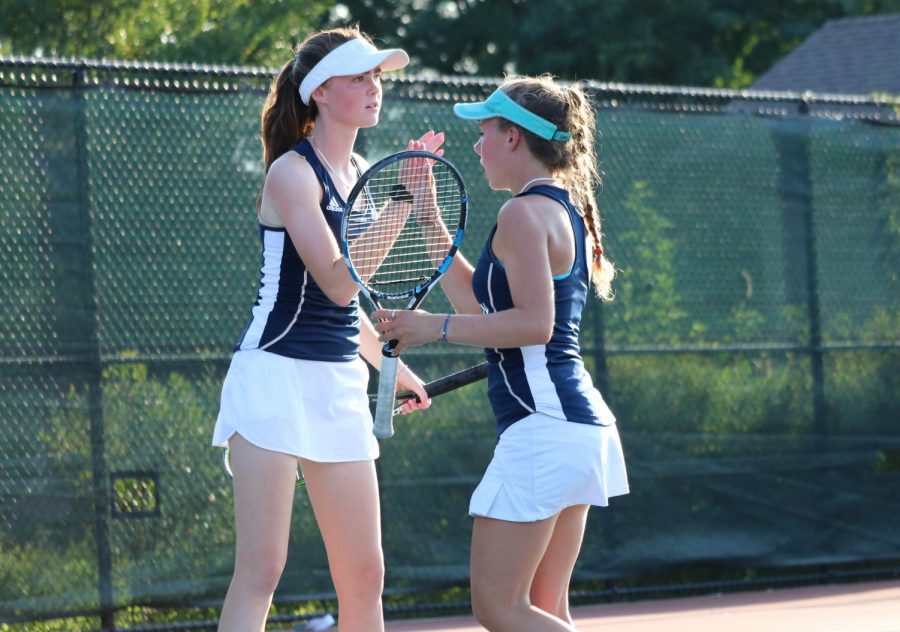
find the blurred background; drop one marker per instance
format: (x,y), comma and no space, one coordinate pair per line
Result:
(751,203)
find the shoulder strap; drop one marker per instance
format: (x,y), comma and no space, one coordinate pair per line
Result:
(305,149)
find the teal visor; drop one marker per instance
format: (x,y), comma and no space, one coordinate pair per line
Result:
(499,104)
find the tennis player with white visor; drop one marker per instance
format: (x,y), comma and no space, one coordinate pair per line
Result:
(296,390)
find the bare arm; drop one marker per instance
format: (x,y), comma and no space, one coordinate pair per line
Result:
(522,242)
(294,192)
(457,281)
(457,285)
(369,345)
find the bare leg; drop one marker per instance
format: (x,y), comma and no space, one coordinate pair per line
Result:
(550,588)
(263,497)
(505,558)
(344,497)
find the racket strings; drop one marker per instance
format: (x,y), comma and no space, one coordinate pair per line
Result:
(403,224)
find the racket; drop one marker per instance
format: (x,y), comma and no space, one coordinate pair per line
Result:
(402,226)
(226,462)
(447,383)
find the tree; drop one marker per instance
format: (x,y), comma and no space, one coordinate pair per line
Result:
(253,32)
(725,43)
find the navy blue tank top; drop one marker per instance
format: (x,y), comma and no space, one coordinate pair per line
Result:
(292,316)
(548,378)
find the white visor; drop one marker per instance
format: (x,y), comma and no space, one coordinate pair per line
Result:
(350,58)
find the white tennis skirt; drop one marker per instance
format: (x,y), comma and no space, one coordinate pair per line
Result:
(313,410)
(542,465)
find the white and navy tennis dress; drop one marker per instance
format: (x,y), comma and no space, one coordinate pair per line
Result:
(558,443)
(296,383)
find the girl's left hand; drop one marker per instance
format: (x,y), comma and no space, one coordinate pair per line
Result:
(408,328)
(409,381)
(418,179)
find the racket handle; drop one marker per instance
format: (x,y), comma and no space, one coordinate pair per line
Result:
(384,406)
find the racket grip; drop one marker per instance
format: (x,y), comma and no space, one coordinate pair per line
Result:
(384,405)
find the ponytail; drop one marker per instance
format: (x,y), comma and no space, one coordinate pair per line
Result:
(285,118)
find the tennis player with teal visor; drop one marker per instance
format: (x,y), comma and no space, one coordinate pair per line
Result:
(558,450)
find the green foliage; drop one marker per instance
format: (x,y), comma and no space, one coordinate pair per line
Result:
(726,394)
(647,301)
(222,31)
(158,425)
(892,199)
(694,42)
(861,386)
(735,393)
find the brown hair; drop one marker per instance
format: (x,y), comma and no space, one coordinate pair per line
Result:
(574,161)
(285,118)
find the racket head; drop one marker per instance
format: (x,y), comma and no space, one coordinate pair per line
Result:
(409,266)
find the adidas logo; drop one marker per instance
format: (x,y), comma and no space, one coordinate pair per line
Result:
(334,206)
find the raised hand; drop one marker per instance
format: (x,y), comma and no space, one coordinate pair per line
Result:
(419,180)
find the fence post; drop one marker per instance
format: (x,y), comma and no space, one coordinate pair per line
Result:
(791,138)
(86,346)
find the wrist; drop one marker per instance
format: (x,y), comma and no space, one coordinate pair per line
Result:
(445,326)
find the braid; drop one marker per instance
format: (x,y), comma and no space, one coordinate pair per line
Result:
(582,179)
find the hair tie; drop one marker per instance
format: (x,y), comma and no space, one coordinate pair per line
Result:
(598,252)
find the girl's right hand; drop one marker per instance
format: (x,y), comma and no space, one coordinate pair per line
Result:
(410,328)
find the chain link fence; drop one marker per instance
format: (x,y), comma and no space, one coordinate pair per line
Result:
(752,354)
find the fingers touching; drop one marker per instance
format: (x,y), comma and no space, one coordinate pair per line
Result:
(430,141)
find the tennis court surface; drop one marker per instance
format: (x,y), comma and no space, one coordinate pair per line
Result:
(867,607)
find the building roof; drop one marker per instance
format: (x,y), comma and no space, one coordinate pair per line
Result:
(858,55)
